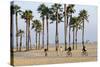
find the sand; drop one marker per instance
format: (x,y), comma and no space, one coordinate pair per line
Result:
(36,57)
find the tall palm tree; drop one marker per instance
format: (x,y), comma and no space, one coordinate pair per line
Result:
(83,17)
(27,15)
(41,10)
(16,11)
(20,33)
(56,16)
(47,14)
(70,11)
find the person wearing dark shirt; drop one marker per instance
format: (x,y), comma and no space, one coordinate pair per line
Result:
(69,49)
(84,48)
(45,50)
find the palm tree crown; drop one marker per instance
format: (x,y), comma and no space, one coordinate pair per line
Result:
(83,15)
(27,15)
(37,25)
(56,10)
(70,9)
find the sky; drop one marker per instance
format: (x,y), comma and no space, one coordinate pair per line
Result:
(90,27)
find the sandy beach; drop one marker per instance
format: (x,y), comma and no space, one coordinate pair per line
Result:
(36,57)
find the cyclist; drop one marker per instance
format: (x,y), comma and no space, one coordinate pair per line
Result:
(84,49)
(69,49)
(45,50)
(69,53)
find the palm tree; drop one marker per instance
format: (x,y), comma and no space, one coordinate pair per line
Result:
(56,16)
(16,11)
(41,10)
(38,27)
(47,14)
(83,15)
(70,11)
(27,15)
(34,25)
(20,33)
(77,27)
(74,24)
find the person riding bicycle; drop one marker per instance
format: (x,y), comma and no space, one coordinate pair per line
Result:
(69,49)
(69,53)
(45,50)
(84,49)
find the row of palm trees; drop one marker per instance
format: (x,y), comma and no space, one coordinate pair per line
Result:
(56,14)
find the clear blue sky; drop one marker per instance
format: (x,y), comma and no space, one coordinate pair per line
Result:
(90,27)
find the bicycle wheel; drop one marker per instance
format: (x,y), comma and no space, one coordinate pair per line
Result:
(86,53)
(82,53)
(70,54)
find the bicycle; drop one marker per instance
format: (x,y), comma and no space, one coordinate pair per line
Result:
(69,53)
(84,53)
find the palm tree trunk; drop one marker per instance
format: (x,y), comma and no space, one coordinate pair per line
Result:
(26,35)
(76,38)
(16,31)
(69,31)
(73,38)
(65,27)
(30,37)
(20,42)
(39,41)
(47,32)
(83,34)
(36,39)
(57,38)
(30,42)
(65,24)
(43,33)
(69,35)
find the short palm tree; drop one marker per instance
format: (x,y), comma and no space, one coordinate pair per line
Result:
(78,26)
(73,24)
(83,15)
(20,33)
(27,15)
(38,27)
